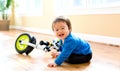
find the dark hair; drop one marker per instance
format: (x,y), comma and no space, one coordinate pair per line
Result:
(62,19)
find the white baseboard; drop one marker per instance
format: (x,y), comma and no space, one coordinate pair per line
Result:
(101,39)
(31,29)
(90,37)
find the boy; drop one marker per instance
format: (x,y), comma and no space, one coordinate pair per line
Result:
(73,50)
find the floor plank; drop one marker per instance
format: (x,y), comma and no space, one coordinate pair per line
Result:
(105,57)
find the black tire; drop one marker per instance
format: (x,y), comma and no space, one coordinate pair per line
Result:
(21,48)
(30,49)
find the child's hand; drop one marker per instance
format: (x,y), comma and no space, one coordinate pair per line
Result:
(52,64)
(54,54)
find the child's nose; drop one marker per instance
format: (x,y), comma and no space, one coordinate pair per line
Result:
(60,31)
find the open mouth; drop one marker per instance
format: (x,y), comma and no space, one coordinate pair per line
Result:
(60,35)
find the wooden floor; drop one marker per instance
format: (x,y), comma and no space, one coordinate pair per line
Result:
(105,57)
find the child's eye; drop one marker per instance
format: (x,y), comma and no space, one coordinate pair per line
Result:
(56,30)
(62,28)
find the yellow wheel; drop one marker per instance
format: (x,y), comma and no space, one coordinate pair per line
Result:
(21,48)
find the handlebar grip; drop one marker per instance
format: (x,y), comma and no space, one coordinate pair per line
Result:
(44,43)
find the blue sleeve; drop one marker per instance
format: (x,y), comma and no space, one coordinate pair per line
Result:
(68,47)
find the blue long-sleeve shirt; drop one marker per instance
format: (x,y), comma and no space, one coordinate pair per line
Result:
(72,44)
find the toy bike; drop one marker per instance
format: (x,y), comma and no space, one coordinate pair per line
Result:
(25,43)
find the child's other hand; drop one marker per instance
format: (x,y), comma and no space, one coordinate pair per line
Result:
(54,54)
(52,64)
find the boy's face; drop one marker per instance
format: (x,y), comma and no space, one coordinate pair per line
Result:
(61,30)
